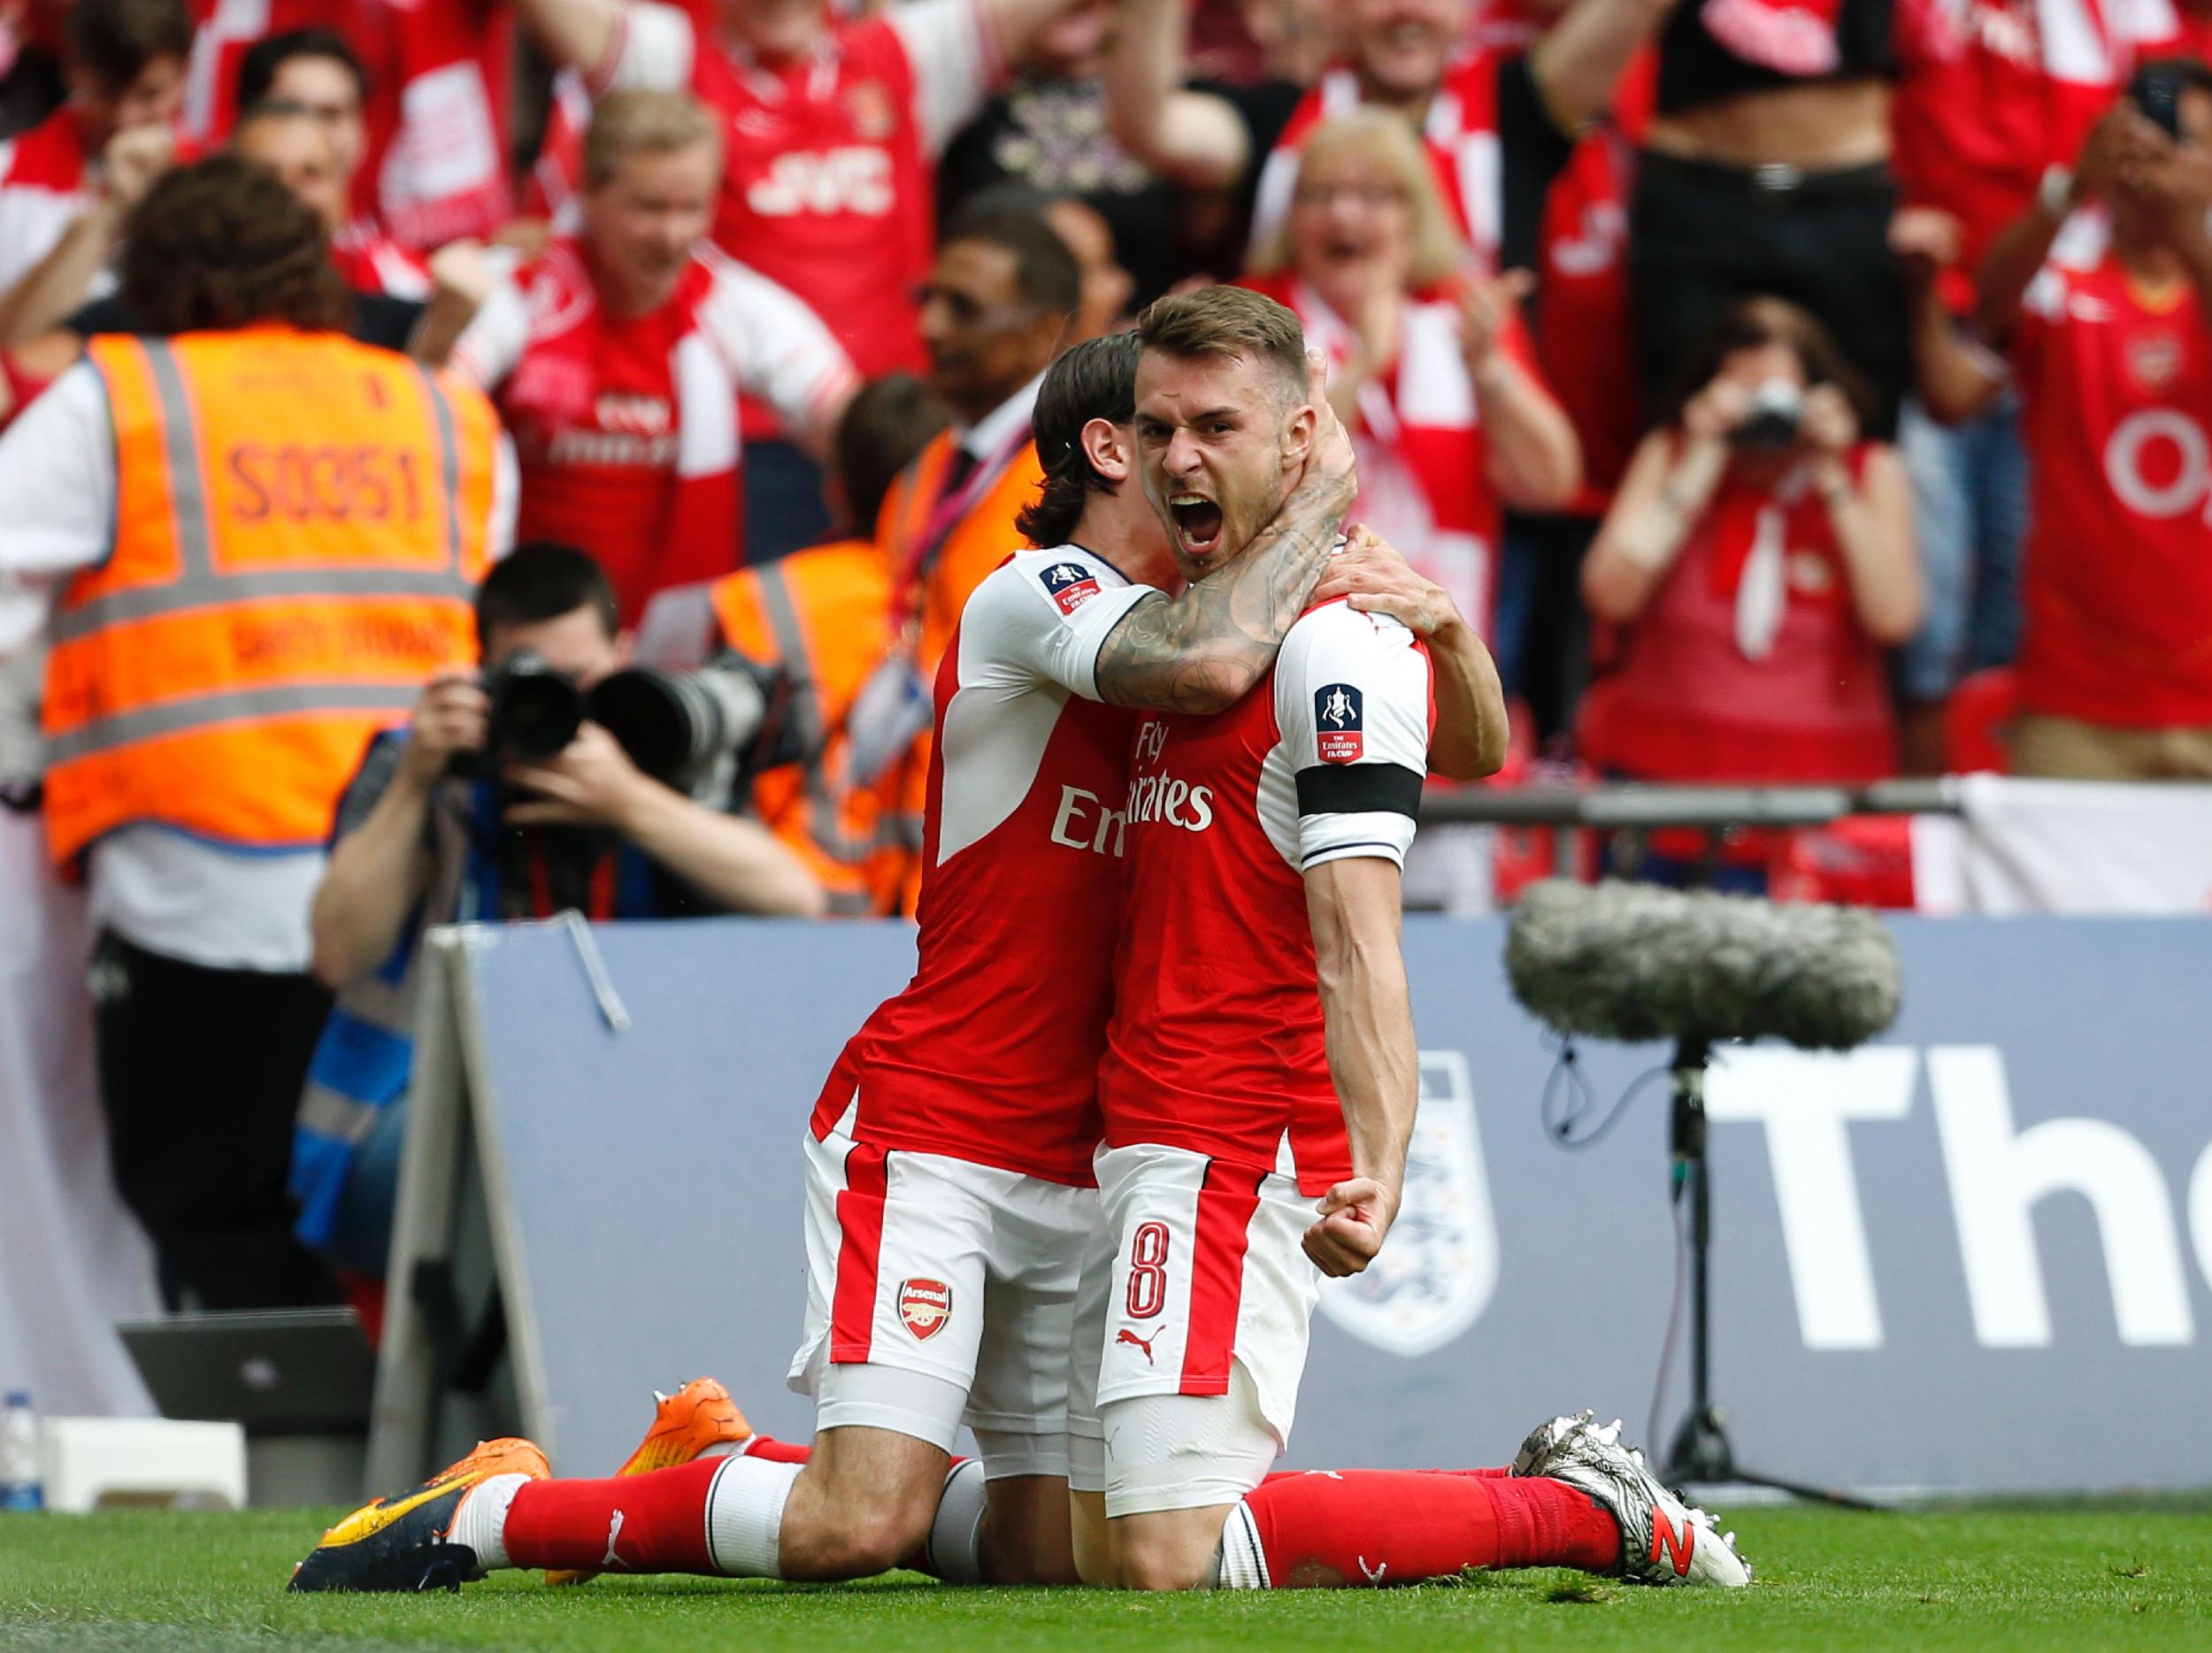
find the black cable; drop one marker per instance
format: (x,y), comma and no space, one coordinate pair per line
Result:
(1658,1451)
(1560,1126)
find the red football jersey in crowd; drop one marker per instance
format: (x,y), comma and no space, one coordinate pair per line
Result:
(626,426)
(827,184)
(439,79)
(1991,93)
(44,185)
(1216,1040)
(2116,384)
(990,1055)
(372,262)
(1461,133)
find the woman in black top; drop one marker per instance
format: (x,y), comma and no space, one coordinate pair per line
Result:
(1766,169)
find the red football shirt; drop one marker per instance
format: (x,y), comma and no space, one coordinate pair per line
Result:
(1991,93)
(826,186)
(2116,385)
(1216,1044)
(991,1053)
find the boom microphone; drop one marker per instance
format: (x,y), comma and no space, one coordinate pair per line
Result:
(1636,962)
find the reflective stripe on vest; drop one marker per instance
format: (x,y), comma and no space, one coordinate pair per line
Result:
(253,624)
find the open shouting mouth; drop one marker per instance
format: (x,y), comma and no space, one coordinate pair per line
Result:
(1197,523)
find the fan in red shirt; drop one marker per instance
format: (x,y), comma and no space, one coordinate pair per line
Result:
(1431,369)
(2114,368)
(434,161)
(616,359)
(1760,556)
(125,63)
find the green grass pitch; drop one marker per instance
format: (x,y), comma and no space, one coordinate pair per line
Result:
(2070,1576)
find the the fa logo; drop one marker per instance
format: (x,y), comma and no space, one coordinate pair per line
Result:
(1338,724)
(1070,586)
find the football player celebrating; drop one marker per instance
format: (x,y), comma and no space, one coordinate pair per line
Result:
(947,1168)
(1264,846)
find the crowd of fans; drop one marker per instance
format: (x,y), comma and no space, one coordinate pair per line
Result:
(1788,392)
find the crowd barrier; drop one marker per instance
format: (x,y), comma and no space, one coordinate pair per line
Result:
(1976,1256)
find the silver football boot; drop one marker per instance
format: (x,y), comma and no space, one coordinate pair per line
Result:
(1663,1540)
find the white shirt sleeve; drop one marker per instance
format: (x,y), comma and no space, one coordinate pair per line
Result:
(776,348)
(1352,705)
(492,343)
(58,476)
(653,48)
(953,48)
(1043,618)
(506,499)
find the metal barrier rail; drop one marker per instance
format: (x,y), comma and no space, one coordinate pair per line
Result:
(1618,805)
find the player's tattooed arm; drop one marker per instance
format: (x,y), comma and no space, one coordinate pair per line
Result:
(1203,651)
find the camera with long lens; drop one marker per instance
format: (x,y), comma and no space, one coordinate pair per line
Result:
(705,732)
(1778,408)
(534,713)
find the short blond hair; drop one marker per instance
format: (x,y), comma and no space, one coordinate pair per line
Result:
(1389,143)
(629,123)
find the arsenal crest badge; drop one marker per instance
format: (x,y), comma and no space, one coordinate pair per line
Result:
(924,1305)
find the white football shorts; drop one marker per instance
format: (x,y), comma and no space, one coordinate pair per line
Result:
(938,1291)
(1192,1320)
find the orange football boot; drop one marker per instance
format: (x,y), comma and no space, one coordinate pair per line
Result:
(687,1425)
(403,1543)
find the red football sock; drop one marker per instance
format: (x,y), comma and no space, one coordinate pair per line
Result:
(776,1451)
(663,1516)
(1480,1475)
(1398,1526)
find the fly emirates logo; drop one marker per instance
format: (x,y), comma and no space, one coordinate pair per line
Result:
(1161,797)
(1084,821)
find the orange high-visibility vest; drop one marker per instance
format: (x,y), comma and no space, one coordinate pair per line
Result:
(301,525)
(823,615)
(979,543)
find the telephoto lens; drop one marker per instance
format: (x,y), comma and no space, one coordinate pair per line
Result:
(690,730)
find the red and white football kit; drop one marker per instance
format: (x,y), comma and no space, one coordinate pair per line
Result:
(2117,391)
(948,1162)
(44,183)
(826,181)
(372,262)
(626,426)
(1991,93)
(1221,1122)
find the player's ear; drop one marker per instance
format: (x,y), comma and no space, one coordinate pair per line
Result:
(1298,433)
(1107,446)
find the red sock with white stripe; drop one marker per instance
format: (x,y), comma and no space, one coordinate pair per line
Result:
(1333,1528)
(722,1516)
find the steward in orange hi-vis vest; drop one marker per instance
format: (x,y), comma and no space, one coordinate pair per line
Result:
(942,541)
(299,526)
(821,613)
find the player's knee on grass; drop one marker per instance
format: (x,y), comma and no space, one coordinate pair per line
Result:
(1168,1549)
(1091,1543)
(862,1505)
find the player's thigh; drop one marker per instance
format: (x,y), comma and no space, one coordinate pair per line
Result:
(1018,1403)
(1087,1436)
(1208,1277)
(897,1251)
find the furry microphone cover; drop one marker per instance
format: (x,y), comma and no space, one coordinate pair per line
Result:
(1635,962)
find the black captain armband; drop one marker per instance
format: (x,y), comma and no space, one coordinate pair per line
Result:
(1360,789)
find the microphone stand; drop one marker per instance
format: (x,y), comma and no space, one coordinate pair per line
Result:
(1700,1450)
